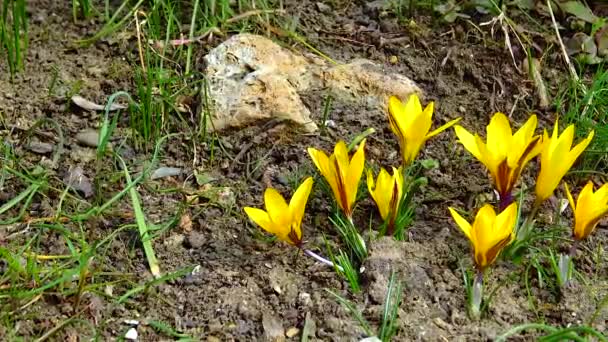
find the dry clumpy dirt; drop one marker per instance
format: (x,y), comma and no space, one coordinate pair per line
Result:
(244,288)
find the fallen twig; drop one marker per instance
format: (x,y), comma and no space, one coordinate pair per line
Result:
(561,44)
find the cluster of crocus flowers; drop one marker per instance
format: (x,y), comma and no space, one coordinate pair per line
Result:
(489,235)
(504,154)
(342,173)
(411,124)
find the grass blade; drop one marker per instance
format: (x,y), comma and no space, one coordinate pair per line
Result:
(140,218)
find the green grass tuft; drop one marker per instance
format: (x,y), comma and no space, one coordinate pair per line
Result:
(587,109)
(13,33)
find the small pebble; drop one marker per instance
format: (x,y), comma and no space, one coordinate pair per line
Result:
(195,240)
(40,147)
(323,8)
(291,332)
(304,299)
(88,137)
(131,334)
(163,172)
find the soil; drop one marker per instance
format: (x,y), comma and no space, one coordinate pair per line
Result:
(243,287)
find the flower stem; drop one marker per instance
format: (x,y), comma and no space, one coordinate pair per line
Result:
(322,259)
(565,265)
(564,270)
(476,295)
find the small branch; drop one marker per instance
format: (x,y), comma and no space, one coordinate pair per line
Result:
(561,44)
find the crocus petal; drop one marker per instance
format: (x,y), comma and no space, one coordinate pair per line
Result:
(468,141)
(297,204)
(321,161)
(418,125)
(602,194)
(499,135)
(522,140)
(371,185)
(398,174)
(412,110)
(341,155)
(505,222)
(570,199)
(383,193)
(324,166)
(487,158)
(580,147)
(355,170)
(261,218)
(277,208)
(483,227)
(442,128)
(397,114)
(463,224)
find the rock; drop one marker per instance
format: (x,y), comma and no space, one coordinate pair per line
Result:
(163,172)
(131,334)
(323,7)
(365,81)
(371,339)
(174,241)
(77,180)
(273,328)
(304,299)
(373,8)
(195,240)
(252,79)
(88,137)
(40,147)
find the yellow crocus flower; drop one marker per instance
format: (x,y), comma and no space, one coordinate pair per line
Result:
(411,125)
(489,234)
(281,219)
(556,158)
(386,192)
(505,154)
(342,174)
(589,209)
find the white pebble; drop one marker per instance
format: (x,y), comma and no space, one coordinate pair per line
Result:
(131,334)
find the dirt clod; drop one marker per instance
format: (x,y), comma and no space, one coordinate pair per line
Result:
(195,240)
